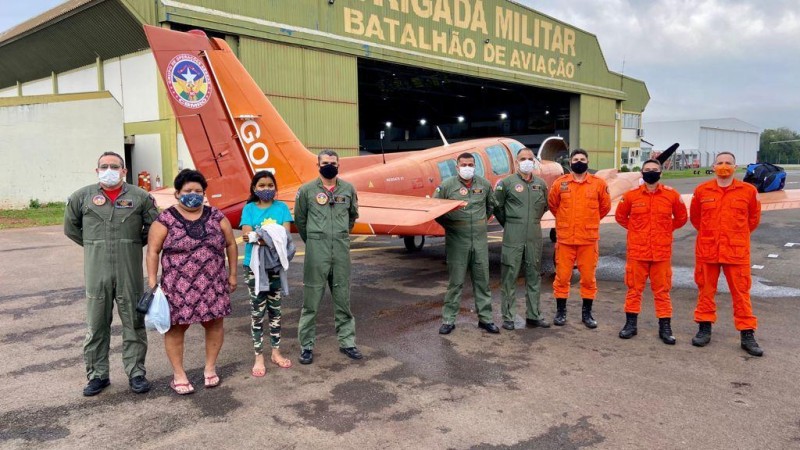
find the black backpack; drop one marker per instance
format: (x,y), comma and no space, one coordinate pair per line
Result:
(765,177)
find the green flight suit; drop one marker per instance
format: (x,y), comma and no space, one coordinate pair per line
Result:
(520,206)
(112,235)
(324,220)
(465,244)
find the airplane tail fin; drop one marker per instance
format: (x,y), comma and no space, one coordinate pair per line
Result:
(230,127)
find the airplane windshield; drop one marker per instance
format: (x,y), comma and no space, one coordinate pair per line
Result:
(498,157)
(447,169)
(479,170)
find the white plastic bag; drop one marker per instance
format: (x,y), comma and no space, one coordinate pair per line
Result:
(157,317)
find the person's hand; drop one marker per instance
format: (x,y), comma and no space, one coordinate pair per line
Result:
(232,283)
(245,238)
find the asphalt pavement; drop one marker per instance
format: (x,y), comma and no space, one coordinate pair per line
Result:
(564,387)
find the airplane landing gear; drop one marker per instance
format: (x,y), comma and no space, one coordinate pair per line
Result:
(414,243)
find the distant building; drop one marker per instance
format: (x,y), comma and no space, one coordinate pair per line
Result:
(702,140)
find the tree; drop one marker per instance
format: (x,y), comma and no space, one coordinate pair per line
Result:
(774,150)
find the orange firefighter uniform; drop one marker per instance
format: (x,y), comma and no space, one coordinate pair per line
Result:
(724,218)
(578,208)
(650,218)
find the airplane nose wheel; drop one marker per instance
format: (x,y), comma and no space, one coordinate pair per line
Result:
(414,243)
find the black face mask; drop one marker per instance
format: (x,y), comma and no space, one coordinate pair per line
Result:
(651,177)
(579,167)
(329,171)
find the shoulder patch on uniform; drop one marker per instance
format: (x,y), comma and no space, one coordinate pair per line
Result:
(297,195)
(438,189)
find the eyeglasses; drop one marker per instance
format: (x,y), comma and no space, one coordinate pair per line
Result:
(109,166)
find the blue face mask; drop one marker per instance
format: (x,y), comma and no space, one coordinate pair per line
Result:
(266,195)
(191,200)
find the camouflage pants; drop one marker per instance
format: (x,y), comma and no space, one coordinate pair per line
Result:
(269,302)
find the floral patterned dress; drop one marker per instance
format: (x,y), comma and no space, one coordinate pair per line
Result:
(194,277)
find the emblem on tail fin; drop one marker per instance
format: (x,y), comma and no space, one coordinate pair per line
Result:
(189,81)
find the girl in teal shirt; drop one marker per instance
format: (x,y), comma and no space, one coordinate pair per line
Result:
(263,209)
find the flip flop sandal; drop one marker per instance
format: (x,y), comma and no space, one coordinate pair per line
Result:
(286,363)
(178,387)
(212,381)
(258,374)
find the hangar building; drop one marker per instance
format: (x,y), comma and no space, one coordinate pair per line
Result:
(79,79)
(701,140)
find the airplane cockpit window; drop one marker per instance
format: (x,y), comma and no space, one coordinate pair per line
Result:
(479,170)
(499,159)
(447,169)
(515,147)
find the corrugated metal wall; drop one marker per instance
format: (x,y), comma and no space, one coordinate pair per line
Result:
(316,92)
(596,130)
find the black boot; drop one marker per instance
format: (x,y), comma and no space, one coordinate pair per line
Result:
(665,331)
(588,320)
(561,312)
(749,343)
(629,330)
(703,336)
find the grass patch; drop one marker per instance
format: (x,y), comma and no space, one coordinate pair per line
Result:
(43,215)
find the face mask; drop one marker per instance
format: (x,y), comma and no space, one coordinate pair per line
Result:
(109,177)
(329,171)
(527,166)
(651,177)
(266,195)
(579,167)
(724,171)
(466,172)
(191,200)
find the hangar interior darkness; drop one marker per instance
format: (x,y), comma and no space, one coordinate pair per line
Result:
(408,103)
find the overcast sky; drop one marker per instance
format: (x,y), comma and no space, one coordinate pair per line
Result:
(700,59)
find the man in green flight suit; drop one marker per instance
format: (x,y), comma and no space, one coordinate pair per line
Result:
(521,202)
(325,211)
(465,242)
(110,220)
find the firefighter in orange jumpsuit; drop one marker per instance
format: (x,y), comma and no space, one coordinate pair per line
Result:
(578,201)
(650,214)
(725,211)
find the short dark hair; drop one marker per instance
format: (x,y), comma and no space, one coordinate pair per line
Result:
(578,151)
(327,152)
(259,175)
(115,154)
(653,161)
(465,155)
(725,153)
(526,149)
(189,176)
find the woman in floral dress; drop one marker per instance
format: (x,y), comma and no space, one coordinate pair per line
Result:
(193,240)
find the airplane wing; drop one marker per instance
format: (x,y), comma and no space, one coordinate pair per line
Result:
(390,213)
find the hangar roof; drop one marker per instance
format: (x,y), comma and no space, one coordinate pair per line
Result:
(50,43)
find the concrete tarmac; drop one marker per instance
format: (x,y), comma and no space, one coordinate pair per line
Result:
(564,387)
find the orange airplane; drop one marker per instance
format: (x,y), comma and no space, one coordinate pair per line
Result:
(232,130)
